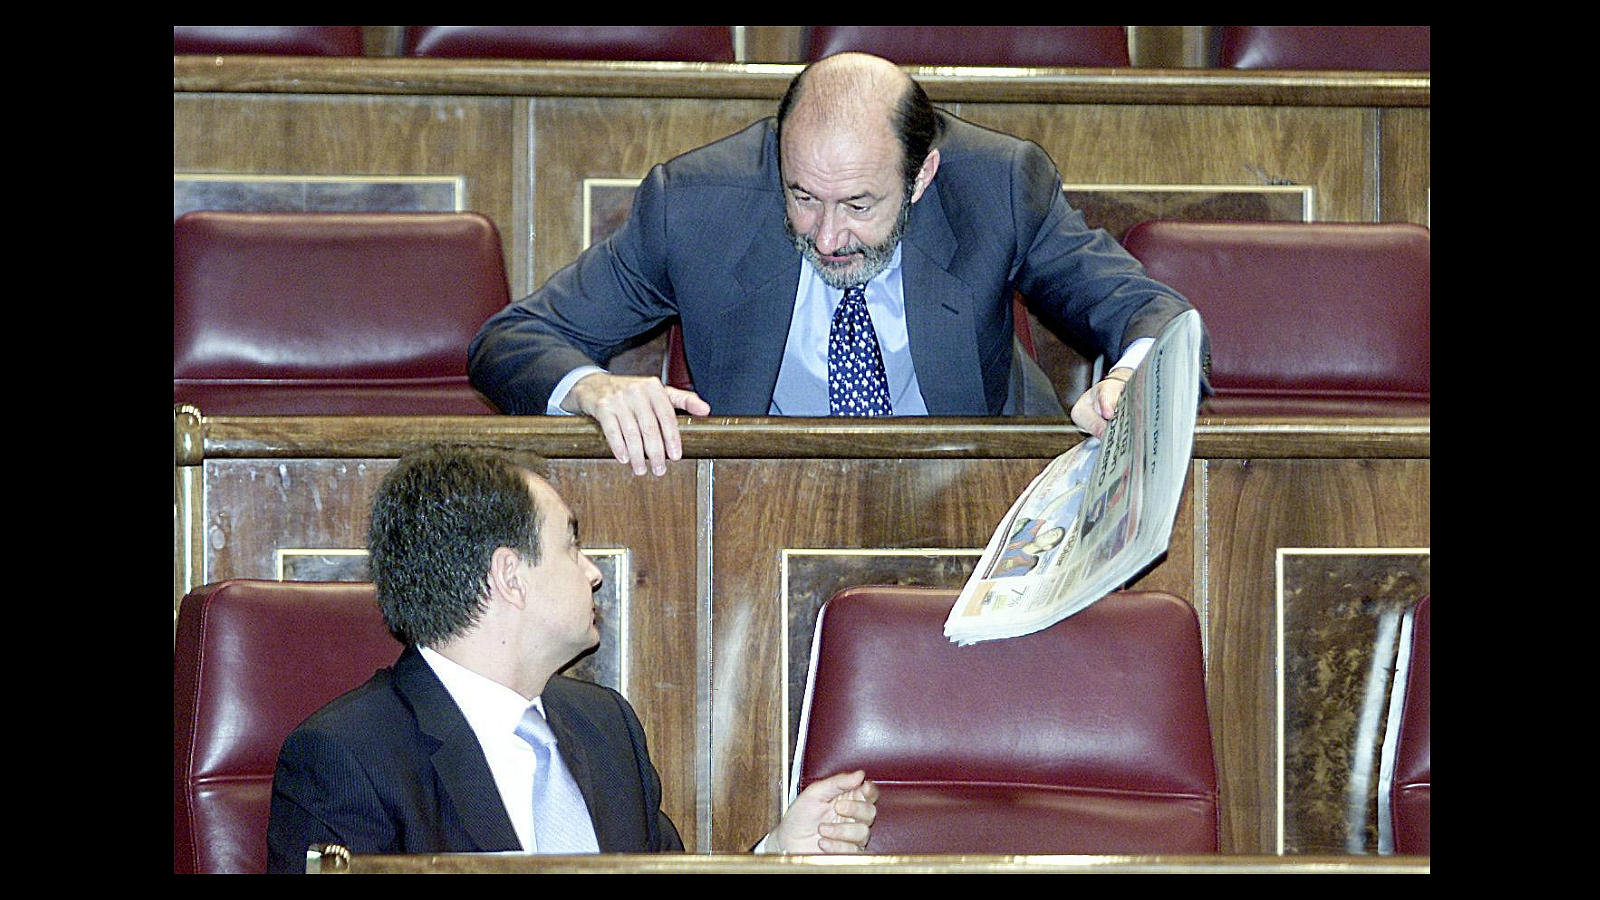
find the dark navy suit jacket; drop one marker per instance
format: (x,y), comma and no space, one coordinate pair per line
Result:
(706,242)
(393,767)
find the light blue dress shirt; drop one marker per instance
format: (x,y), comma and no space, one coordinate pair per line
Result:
(802,388)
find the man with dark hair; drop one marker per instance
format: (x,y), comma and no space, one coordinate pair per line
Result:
(471,741)
(818,267)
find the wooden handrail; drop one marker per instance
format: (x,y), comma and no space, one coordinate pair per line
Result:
(944,84)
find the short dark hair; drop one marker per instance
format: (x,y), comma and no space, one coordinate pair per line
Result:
(912,119)
(437,518)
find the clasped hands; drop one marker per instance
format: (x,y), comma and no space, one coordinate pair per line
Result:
(832,815)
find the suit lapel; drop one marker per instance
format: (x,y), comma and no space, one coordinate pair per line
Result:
(940,321)
(768,274)
(457,759)
(574,749)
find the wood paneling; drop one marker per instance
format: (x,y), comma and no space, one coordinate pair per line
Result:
(333,134)
(586,137)
(1406,151)
(1254,508)
(1329,148)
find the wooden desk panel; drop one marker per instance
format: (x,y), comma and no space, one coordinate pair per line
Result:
(723,561)
(336,861)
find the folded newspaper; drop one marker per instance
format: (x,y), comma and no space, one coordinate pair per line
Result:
(1097,514)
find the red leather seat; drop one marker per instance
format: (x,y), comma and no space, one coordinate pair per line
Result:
(1319,318)
(251,660)
(1407,784)
(332,313)
(685,43)
(285,40)
(975,45)
(1339,47)
(1090,736)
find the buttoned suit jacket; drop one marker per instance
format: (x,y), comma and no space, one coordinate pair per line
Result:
(706,242)
(394,767)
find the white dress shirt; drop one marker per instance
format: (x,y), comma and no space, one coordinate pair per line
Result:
(494,711)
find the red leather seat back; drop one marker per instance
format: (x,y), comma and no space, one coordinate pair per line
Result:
(251,660)
(685,43)
(975,45)
(1347,47)
(1305,318)
(1090,736)
(1411,786)
(285,40)
(332,313)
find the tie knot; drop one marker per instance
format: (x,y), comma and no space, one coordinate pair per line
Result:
(535,730)
(856,293)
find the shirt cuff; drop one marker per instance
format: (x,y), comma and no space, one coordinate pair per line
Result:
(1134,354)
(765,846)
(564,386)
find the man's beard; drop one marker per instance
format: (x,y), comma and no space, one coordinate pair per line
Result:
(867,262)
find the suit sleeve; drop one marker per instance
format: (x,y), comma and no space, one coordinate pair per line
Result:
(1077,278)
(600,304)
(320,794)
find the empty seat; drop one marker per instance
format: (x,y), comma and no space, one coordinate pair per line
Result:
(1091,736)
(975,45)
(284,40)
(686,43)
(1406,782)
(1339,47)
(1319,318)
(251,660)
(331,313)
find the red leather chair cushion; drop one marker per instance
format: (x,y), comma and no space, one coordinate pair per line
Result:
(1351,47)
(687,43)
(1412,785)
(286,40)
(1090,736)
(976,45)
(331,313)
(251,660)
(1305,318)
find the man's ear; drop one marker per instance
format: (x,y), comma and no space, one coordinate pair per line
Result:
(930,166)
(505,580)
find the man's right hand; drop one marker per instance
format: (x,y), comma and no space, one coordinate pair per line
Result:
(638,415)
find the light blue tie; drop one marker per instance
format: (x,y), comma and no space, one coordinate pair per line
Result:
(857,384)
(561,822)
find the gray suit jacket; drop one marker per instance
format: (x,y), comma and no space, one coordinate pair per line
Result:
(706,242)
(393,767)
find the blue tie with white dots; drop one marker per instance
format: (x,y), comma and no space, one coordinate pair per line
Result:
(857,385)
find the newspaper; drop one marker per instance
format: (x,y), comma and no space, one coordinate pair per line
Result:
(1098,513)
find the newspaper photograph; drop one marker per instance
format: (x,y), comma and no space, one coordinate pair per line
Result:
(1098,513)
